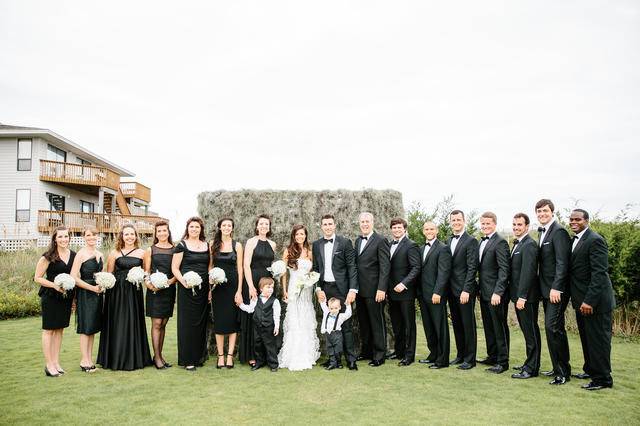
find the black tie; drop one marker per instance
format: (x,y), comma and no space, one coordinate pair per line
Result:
(575,237)
(428,244)
(541,229)
(393,243)
(455,236)
(328,240)
(516,241)
(484,238)
(365,238)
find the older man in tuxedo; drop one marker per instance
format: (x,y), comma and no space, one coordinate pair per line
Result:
(372,264)
(593,299)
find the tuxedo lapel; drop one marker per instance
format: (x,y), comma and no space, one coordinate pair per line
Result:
(461,240)
(369,241)
(581,243)
(321,244)
(400,244)
(430,252)
(549,231)
(491,241)
(335,246)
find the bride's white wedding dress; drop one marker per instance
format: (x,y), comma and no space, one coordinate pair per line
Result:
(300,344)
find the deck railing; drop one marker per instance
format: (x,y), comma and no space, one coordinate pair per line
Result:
(104,223)
(136,190)
(56,171)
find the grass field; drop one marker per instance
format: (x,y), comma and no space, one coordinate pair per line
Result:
(388,394)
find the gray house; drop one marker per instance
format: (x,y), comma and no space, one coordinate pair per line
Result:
(47,180)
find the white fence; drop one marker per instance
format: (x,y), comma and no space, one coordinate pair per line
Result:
(26,244)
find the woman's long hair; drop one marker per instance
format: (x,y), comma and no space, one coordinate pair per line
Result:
(294,251)
(52,252)
(155,230)
(120,242)
(201,237)
(217,237)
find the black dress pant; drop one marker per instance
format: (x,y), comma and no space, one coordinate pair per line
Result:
(595,335)
(331,290)
(463,319)
(403,322)
(557,335)
(528,321)
(436,330)
(334,347)
(496,330)
(373,331)
(265,346)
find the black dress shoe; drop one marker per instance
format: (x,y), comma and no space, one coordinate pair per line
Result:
(456,361)
(437,367)
(325,364)
(333,367)
(596,386)
(487,361)
(404,363)
(353,366)
(559,380)
(391,355)
(256,366)
(376,363)
(518,367)
(466,366)
(549,373)
(498,369)
(274,370)
(362,357)
(190,368)
(524,374)
(426,361)
(583,376)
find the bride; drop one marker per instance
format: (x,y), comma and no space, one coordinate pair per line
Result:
(300,346)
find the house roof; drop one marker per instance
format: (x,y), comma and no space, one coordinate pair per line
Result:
(62,142)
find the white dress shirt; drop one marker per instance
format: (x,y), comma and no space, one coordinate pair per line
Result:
(329,321)
(455,241)
(395,246)
(546,227)
(363,242)
(427,248)
(328,258)
(252,307)
(483,244)
(576,240)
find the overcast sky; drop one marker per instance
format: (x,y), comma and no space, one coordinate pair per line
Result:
(497,102)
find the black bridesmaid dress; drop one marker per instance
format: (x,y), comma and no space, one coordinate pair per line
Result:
(193,309)
(261,259)
(160,304)
(225,311)
(123,341)
(89,304)
(55,306)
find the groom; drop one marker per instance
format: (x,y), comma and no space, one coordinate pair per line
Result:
(334,259)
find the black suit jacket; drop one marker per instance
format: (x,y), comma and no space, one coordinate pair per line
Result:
(523,279)
(464,265)
(372,265)
(405,268)
(343,264)
(554,256)
(493,268)
(589,280)
(435,271)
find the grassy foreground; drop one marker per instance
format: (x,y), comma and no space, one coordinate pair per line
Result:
(388,394)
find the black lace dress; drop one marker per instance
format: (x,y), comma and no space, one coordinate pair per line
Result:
(89,304)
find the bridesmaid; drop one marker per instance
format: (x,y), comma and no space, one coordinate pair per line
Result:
(160,302)
(259,255)
(123,340)
(55,306)
(89,298)
(226,254)
(192,254)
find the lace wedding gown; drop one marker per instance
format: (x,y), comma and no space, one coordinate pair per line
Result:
(300,346)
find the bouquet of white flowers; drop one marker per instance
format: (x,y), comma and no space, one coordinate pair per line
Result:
(105,280)
(192,280)
(305,281)
(217,276)
(65,282)
(136,276)
(159,280)
(277,269)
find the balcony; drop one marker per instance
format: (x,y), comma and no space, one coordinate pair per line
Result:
(104,223)
(136,190)
(85,178)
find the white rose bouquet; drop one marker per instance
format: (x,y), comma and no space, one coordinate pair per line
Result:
(105,280)
(217,276)
(159,280)
(136,276)
(65,282)
(192,280)
(305,281)
(277,269)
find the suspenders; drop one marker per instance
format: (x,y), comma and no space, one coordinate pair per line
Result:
(335,324)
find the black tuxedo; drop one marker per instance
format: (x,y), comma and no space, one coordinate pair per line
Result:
(463,278)
(553,273)
(590,284)
(373,275)
(405,269)
(344,271)
(434,279)
(493,278)
(523,284)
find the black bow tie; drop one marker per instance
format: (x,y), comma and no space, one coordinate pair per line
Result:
(516,241)
(428,244)
(542,229)
(393,243)
(365,238)
(330,240)
(485,238)
(575,237)
(455,236)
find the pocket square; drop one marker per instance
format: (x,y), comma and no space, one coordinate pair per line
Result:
(338,252)
(516,253)
(548,242)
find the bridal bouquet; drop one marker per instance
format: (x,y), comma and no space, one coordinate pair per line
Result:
(277,269)
(217,276)
(192,280)
(65,282)
(159,280)
(136,276)
(105,280)
(305,281)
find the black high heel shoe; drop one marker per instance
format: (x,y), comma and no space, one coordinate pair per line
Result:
(230,365)
(218,366)
(49,374)
(166,364)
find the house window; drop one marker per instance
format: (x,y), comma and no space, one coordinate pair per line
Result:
(56,202)
(23,205)
(24,154)
(56,154)
(87,207)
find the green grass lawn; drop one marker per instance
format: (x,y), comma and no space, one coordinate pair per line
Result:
(388,394)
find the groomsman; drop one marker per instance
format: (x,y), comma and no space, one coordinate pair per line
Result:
(403,274)
(462,290)
(372,264)
(493,274)
(434,280)
(334,259)
(592,298)
(553,258)
(525,293)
